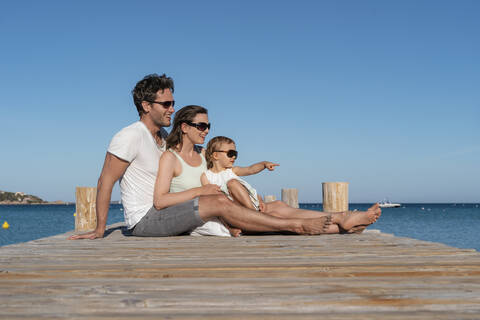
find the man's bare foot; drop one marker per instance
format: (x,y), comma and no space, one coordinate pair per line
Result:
(235,232)
(356,230)
(315,226)
(348,220)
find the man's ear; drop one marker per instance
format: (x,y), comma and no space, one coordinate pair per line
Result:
(147,106)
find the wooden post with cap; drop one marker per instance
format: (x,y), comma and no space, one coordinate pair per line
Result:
(335,196)
(269,198)
(85,216)
(290,197)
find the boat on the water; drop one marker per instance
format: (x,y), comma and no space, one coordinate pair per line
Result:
(387,204)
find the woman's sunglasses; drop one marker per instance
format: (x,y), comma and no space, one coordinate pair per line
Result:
(230,153)
(202,126)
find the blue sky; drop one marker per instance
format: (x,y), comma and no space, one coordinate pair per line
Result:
(382,94)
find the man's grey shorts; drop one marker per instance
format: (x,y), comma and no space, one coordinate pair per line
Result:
(172,221)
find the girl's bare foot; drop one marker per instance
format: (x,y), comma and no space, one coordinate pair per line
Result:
(235,232)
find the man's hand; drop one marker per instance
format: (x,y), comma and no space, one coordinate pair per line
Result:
(270,165)
(89,235)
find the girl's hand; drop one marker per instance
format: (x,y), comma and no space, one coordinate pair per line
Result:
(261,207)
(270,165)
(210,189)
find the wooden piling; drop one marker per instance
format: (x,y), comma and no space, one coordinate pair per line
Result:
(269,198)
(290,197)
(85,218)
(335,196)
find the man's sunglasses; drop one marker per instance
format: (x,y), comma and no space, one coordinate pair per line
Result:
(202,126)
(230,153)
(165,104)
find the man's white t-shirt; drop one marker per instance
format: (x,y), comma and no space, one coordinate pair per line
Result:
(136,145)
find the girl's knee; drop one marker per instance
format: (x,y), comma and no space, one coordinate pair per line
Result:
(233,184)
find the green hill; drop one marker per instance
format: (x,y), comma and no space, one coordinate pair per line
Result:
(18,197)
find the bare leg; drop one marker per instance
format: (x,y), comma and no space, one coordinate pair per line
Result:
(345,220)
(250,220)
(239,193)
(282,210)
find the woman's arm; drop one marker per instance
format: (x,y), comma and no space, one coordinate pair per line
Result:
(162,198)
(254,168)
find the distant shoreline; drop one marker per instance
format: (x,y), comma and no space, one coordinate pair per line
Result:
(301,203)
(56,203)
(35,203)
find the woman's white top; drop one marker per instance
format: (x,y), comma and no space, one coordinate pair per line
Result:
(221,179)
(190,178)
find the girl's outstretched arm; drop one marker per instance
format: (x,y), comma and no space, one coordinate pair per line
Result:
(254,168)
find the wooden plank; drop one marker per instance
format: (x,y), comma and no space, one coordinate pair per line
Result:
(367,276)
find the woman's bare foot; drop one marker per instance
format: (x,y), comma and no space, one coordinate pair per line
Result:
(348,220)
(315,226)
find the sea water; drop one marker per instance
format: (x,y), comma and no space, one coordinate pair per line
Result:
(449,223)
(30,222)
(452,224)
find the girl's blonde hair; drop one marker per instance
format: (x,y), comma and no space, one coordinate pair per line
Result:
(213,146)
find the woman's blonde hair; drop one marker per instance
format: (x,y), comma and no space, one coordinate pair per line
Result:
(213,146)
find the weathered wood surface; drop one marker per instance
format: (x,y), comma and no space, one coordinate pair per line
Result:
(335,196)
(269,198)
(86,214)
(290,197)
(367,276)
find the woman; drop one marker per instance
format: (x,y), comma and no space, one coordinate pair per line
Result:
(181,167)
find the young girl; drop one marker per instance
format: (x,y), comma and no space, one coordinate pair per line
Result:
(221,155)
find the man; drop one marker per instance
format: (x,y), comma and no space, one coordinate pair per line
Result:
(133,157)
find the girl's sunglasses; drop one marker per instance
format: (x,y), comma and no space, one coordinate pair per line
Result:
(230,153)
(202,126)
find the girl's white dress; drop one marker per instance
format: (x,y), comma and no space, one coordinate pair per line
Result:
(221,179)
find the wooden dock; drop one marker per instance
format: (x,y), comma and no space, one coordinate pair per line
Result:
(367,276)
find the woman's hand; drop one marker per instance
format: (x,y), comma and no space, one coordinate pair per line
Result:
(209,189)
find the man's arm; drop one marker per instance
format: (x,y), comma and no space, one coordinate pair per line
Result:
(254,168)
(113,169)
